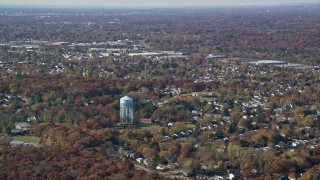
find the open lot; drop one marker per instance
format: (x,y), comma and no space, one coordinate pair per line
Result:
(151,127)
(27,139)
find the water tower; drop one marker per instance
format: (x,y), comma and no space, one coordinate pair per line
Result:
(126,110)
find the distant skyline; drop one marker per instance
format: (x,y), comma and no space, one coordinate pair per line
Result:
(119,3)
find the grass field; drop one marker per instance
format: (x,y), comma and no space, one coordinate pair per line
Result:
(208,99)
(26,139)
(153,127)
(189,125)
(150,127)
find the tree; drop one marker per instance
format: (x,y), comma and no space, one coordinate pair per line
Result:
(179,127)
(207,108)
(233,127)
(185,150)
(189,166)
(276,139)
(234,152)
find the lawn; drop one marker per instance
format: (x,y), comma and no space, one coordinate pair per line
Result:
(208,99)
(26,139)
(153,127)
(189,125)
(150,127)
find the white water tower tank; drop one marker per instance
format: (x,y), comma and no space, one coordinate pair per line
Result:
(126,110)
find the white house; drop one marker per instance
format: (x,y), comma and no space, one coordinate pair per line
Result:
(22,126)
(231,176)
(139,160)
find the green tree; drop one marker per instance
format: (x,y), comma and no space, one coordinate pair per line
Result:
(233,127)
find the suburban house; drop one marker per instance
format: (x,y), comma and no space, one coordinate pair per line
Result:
(22,126)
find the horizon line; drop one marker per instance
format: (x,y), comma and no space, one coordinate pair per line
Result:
(99,6)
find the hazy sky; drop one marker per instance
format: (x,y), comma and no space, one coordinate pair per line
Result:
(153,2)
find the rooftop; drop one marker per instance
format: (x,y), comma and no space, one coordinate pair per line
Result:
(126,98)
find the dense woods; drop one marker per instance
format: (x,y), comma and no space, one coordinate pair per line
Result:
(76,154)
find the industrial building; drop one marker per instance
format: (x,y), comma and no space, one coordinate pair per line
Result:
(269,62)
